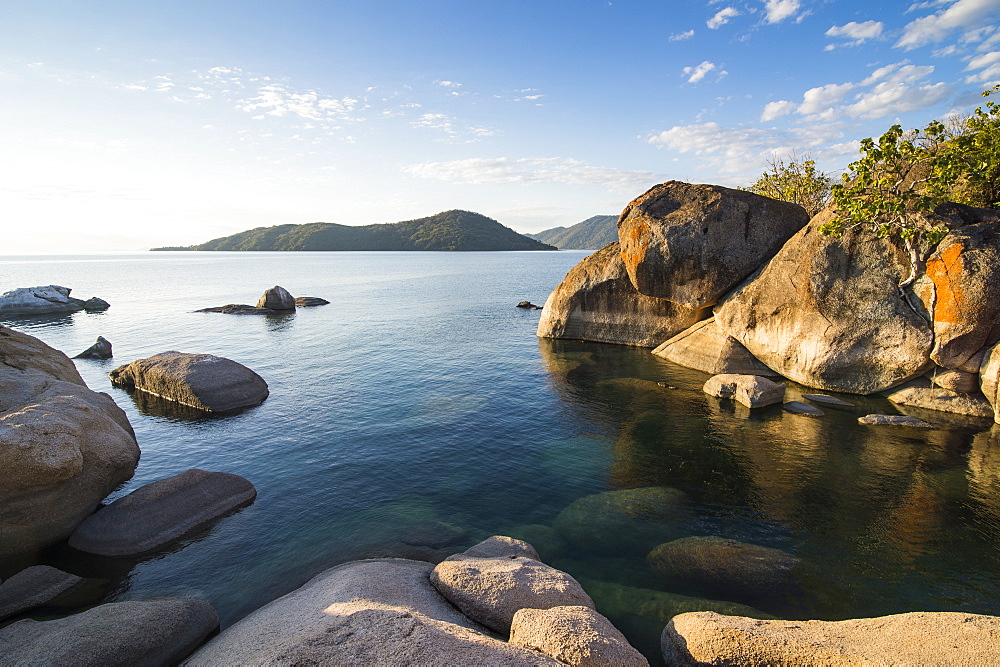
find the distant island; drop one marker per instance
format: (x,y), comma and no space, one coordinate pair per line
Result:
(450,230)
(591,234)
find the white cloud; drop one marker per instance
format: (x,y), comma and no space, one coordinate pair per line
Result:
(965,15)
(448,84)
(818,101)
(680,36)
(984,60)
(898,88)
(857,33)
(698,72)
(777,11)
(722,17)
(278,100)
(532,170)
(778,109)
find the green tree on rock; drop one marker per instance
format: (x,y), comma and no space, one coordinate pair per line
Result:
(796,181)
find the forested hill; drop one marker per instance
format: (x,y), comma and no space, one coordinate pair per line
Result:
(591,234)
(451,230)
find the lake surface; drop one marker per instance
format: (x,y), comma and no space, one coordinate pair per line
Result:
(418,413)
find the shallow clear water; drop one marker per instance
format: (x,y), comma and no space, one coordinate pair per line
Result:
(418,412)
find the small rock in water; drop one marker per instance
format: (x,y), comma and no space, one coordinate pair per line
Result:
(800,408)
(752,391)
(827,400)
(307,301)
(94,304)
(527,305)
(666,386)
(238,309)
(276,298)
(99,350)
(893,420)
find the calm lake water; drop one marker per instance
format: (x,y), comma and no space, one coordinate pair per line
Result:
(418,413)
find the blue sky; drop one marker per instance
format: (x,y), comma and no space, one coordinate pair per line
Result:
(127,125)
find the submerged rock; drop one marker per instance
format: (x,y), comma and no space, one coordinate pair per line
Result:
(162,512)
(33,587)
(202,381)
(800,408)
(893,420)
(574,635)
(752,391)
(99,350)
(276,298)
(917,638)
(827,400)
(705,347)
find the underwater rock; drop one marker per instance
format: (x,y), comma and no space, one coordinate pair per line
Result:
(893,420)
(800,408)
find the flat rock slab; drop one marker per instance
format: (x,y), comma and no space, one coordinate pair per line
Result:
(752,391)
(137,632)
(162,512)
(574,635)
(491,590)
(800,408)
(202,381)
(309,301)
(893,420)
(39,300)
(917,638)
(238,309)
(827,400)
(33,587)
(921,393)
(705,347)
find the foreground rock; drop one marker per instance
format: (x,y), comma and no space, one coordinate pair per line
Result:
(138,632)
(575,636)
(752,391)
(276,298)
(63,447)
(162,512)
(374,612)
(918,638)
(921,394)
(47,299)
(33,587)
(705,347)
(989,379)
(99,350)
(202,381)
(596,301)
(691,244)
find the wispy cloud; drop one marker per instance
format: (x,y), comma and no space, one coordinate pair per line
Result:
(856,33)
(961,15)
(722,17)
(776,11)
(533,170)
(701,70)
(681,36)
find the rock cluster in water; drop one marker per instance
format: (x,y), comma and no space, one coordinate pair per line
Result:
(274,301)
(45,300)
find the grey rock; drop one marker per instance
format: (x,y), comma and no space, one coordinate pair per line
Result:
(99,350)
(596,301)
(989,379)
(498,546)
(39,300)
(202,381)
(527,305)
(276,298)
(705,347)
(800,408)
(752,391)
(827,400)
(491,590)
(137,632)
(238,309)
(922,394)
(373,612)
(691,244)
(893,420)
(574,635)
(33,587)
(957,381)
(95,304)
(162,512)
(310,301)
(917,638)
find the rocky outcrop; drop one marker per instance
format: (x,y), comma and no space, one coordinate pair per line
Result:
(33,587)
(63,447)
(99,350)
(690,244)
(751,390)
(137,632)
(989,379)
(46,299)
(596,301)
(705,347)
(162,512)
(371,612)
(920,393)
(201,381)
(918,638)
(574,635)
(276,298)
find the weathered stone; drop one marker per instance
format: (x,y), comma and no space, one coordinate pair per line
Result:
(527,305)
(989,379)
(893,420)
(691,244)
(827,400)
(491,590)
(33,587)
(800,408)
(162,512)
(202,381)
(723,565)
(99,350)
(917,638)
(546,539)
(39,300)
(961,382)
(752,391)
(276,298)
(137,632)
(310,301)
(238,309)
(596,301)
(95,304)
(498,546)
(63,447)
(922,394)
(705,347)
(633,520)
(574,635)
(373,612)
(827,313)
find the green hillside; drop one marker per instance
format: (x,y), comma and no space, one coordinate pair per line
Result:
(591,234)
(450,230)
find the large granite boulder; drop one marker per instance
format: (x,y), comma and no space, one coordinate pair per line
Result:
(596,301)
(39,300)
(705,347)
(691,243)
(574,635)
(33,587)
(276,298)
(162,512)
(201,381)
(373,612)
(63,447)
(989,379)
(917,638)
(137,632)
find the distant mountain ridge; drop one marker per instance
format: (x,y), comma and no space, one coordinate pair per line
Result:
(591,234)
(449,230)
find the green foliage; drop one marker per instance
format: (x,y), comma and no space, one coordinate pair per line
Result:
(797,181)
(968,160)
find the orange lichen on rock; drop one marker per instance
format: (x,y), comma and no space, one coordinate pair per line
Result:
(634,244)
(946,272)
